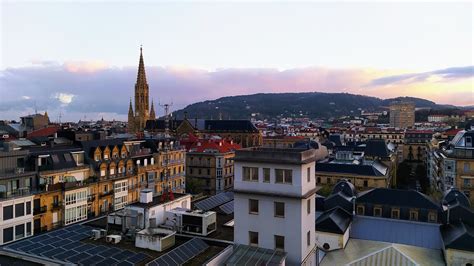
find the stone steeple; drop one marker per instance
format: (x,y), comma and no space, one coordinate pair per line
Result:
(152,111)
(141,113)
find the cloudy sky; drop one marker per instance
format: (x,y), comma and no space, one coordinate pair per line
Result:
(80,59)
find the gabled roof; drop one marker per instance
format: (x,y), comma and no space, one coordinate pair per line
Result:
(397,197)
(458,235)
(335,221)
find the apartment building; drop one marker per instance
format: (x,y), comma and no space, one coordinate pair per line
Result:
(274,199)
(210,165)
(402,114)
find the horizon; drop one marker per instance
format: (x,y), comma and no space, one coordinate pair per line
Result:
(387,51)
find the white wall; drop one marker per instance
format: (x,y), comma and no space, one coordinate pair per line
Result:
(26,219)
(335,241)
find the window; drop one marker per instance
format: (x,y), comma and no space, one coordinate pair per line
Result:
(250,174)
(366,183)
(395,214)
(279,209)
(279,242)
(28,207)
(360,210)
(253,238)
(308,206)
(308,174)
(19,209)
(266,175)
(283,176)
(432,217)
(7,234)
(253,206)
(413,215)
(318,180)
(467,167)
(377,212)
(19,231)
(308,238)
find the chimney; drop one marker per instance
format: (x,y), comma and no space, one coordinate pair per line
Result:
(146,196)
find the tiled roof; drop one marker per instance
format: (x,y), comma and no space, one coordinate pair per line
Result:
(371,169)
(221,146)
(43,132)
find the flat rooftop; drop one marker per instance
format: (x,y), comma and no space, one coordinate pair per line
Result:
(276,155)
(157,200)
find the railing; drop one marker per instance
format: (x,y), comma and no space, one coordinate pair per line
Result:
(56,205)
(20,192)
(91,198)
(106,193)
(40,210)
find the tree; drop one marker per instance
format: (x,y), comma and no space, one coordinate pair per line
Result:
(403,174)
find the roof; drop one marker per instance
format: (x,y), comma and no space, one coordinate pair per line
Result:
(157,200)
(406,232)
(208,125)
(453,196)
(368,168)
(222,146)
(43,132)
(397,197)
(249,255)
(345,187)
(458,235)
(376,148)
(362,252)
(335,221)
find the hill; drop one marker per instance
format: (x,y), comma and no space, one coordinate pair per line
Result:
(310,104)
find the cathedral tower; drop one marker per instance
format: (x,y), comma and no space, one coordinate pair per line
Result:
(137,119)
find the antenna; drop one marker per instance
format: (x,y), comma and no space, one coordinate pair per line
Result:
(36,109)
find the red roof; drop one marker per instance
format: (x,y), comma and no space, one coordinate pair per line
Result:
(44,132)
(452,132)
(220,145)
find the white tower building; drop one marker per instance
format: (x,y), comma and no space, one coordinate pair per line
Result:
(274,197)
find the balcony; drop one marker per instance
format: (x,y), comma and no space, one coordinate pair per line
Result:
(20,192)
(56,205)
(40,210)
(106,193)
(91,198)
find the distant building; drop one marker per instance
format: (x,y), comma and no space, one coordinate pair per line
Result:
(274,200)
(34,122)
(402,114)
(242,132)
(210,166)
(438,118)
(137,118)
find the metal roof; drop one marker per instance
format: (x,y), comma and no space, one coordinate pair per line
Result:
(426,235)
(250,255)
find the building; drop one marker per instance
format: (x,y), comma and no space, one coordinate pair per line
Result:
(402,114)
(391,226)
(274,199)
(242,132)
(16,198)
(369,165)
(34,122)
(137,118)
(210,166)
(416,144)
(458,166)
(282,141)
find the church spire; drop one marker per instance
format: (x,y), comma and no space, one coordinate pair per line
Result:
(152,111)
(141,76)
(130,108)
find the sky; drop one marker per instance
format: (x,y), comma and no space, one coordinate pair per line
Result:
(79,59)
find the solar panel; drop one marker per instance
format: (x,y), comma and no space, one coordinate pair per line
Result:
(227,208)
(182,253)
(137,258)
(78,257)
(215,201)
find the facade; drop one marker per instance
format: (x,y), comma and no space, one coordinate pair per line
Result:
(137,118)
(34,122)
(274,199)
(241,132)
(416,144)
(458,166)
(210,166)
(402,114)
(282,141)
